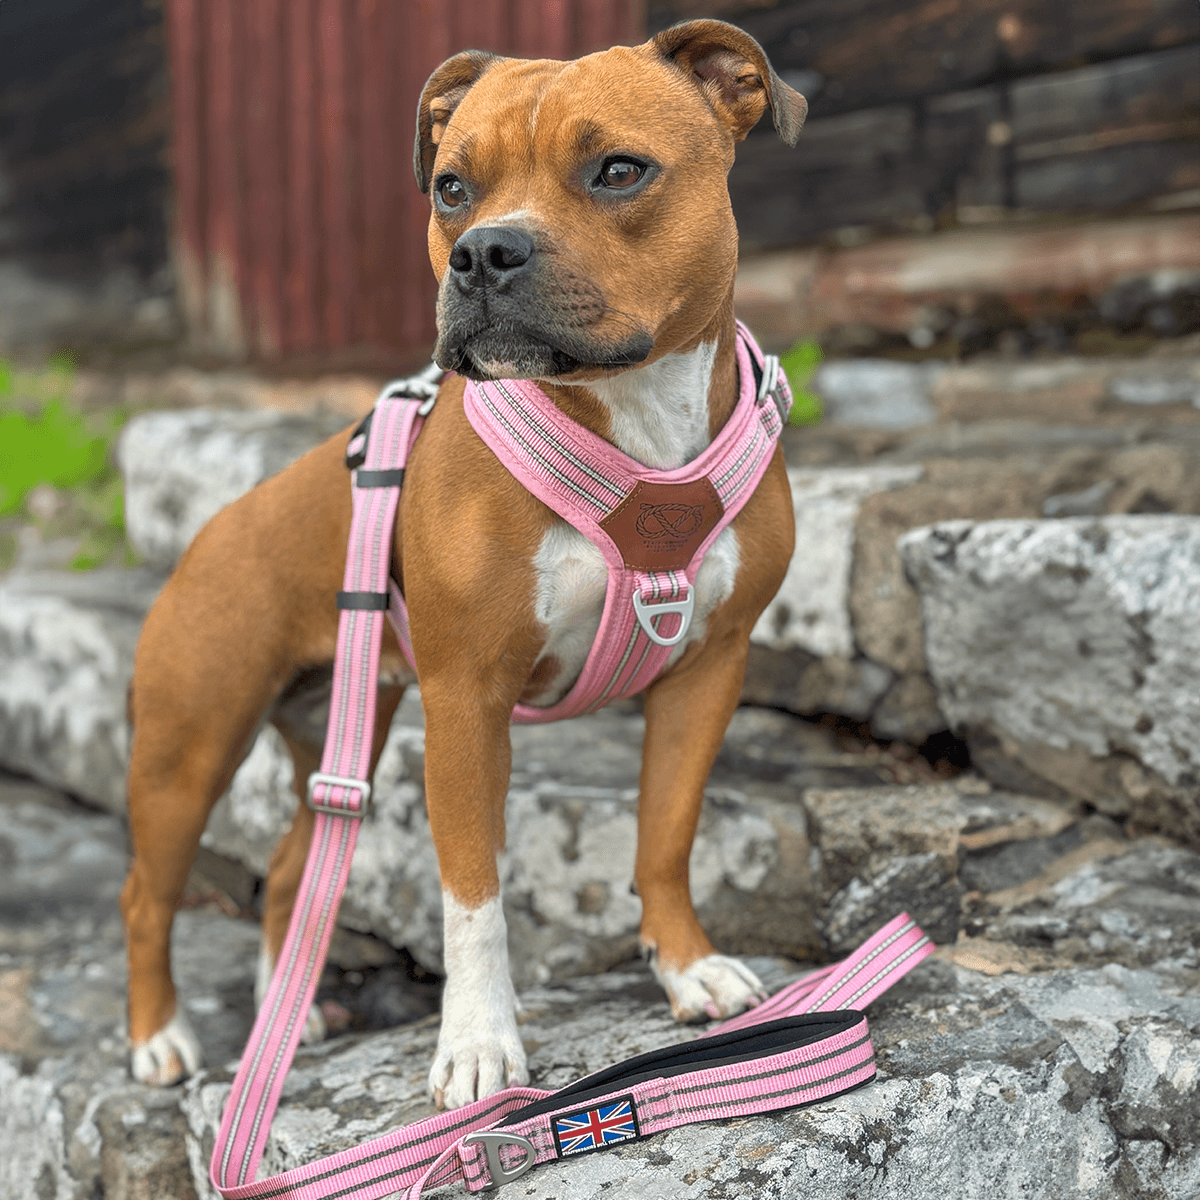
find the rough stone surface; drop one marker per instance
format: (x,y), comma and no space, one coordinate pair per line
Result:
(878,393)
(1050,1050)
(1067,390)
(66,657)
(1067,649)
(804,655)
(181,468)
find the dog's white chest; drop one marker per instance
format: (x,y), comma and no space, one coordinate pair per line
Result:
(659,416)
(572,579)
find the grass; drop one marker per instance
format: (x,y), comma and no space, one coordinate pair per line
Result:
(57,474)
(799,363)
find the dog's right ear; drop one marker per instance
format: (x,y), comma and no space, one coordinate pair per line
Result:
(442,94)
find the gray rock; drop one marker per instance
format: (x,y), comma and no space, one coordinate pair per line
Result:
(571,811)
(1066,649)
(878,393)
(66,658)
(181,468)
(804,655)
(1034,1059)
(811,609)
(1073,1084)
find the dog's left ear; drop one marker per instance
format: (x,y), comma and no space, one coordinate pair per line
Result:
(442,94)
(732,71)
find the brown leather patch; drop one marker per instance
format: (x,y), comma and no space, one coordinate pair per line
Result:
(659,526)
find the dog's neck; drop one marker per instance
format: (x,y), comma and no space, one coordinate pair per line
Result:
(662,415)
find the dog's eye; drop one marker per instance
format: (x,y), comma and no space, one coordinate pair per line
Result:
(451,192)
(620,173)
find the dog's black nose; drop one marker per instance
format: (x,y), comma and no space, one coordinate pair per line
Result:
(490,256)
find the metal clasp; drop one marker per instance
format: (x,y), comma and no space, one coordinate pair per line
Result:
(321,806)
(772,380)
(647,610)
(492,1140)
(423,387)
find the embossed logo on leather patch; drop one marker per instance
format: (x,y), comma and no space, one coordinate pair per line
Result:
(669,522)
(660,526)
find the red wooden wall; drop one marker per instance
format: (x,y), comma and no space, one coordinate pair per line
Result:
(299,230)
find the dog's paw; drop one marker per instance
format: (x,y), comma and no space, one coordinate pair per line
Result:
(172,1054)
(315,1027)
(711,987)
(475,1062)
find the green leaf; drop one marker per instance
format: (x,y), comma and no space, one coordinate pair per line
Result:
(798,364)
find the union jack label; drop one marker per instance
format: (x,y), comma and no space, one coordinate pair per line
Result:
(595,1128)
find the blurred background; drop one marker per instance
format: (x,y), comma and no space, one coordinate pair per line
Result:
(982,267)
(213,182)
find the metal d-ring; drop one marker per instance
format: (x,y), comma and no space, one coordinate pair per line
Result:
(492,1140)
(647,610)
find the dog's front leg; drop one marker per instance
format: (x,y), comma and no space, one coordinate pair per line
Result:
(687,712)
(467,760)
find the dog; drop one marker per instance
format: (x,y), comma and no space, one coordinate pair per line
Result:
(582,235)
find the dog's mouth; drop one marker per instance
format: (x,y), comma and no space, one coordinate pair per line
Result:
(499,352)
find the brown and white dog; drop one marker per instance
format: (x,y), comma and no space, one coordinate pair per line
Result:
(583,237)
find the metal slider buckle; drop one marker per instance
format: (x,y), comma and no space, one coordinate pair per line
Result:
(321,806)
(491,1140)
(647,610)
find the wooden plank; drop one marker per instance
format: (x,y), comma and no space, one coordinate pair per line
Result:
(336,154)
(223,161)
(964,145)
(1144,92)
(858,169)
(1109,177)
(185,47)
(877,52)
(84,131)
(265,176)
(303,281)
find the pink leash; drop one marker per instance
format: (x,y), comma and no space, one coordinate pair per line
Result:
(776,1056)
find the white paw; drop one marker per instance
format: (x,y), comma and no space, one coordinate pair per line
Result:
(473,1062)
(172,1054)
(315,1029)
(711,987)
(479,1050)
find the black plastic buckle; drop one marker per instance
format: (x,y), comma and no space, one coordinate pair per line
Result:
(356,458)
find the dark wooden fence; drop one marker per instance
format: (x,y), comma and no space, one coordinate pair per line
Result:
(924,112)
(300,233)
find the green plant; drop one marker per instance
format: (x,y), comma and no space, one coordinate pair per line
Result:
(45,440)
(799,363)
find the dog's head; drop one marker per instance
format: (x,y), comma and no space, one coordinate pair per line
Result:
(581,219)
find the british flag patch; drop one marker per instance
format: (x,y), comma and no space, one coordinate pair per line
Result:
(595,1128)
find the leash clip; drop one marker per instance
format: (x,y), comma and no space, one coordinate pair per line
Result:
(647,610)
(492,1140)
(362,786)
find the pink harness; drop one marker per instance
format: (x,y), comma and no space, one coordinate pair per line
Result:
(652,527)
(806,1043)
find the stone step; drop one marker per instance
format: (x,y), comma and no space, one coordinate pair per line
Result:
(1064,651)
(1058,1020)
